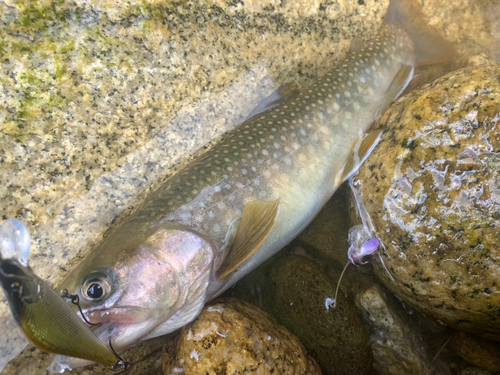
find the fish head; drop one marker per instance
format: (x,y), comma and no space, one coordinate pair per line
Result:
(143,281)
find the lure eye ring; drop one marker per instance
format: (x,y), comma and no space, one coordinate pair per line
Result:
(95,288)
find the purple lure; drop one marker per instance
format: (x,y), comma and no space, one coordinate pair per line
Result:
(356,255)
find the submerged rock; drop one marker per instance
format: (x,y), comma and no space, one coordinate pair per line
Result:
(431,189)
(234,337)
(299,294)
(303,293)
(397,347)
(477,351)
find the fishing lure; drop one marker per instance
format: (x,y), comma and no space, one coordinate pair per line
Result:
(45,318)
(357,253)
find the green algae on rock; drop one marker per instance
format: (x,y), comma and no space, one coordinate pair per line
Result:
(431,191)
(234,337)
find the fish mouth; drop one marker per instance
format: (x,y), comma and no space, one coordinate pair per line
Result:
(123,316)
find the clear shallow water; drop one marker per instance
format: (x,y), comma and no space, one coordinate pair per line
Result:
(70,75)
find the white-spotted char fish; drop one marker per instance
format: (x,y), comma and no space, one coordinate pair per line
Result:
(242,201)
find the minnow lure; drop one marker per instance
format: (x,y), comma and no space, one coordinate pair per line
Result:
(43,315)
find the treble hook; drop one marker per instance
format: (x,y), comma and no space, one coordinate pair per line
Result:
(120,364)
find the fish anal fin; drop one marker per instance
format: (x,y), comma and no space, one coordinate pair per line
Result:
(360,153)
(281,95)
(256,223)
(398,85)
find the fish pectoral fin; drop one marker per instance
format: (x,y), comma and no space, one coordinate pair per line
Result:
(360,153)
(281,95)
(256,223)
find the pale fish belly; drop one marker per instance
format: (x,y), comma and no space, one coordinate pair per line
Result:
(294,152)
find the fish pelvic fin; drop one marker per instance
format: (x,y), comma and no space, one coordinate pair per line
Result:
(256,223)
(430,47)
(360,153)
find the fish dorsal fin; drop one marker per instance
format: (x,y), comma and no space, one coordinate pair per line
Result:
(359,154)
(357,45)
(281,95)
(256,223)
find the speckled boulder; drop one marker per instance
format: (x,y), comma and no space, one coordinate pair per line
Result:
(234,337)
(432,191)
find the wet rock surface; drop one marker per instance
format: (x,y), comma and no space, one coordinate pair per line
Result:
(304,294)
(234,337)
(299,294)
(477,351)
(431,191)
(397,347)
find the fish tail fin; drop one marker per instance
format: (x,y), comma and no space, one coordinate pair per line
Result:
(429,45)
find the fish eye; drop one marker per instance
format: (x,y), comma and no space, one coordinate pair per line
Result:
(96,288)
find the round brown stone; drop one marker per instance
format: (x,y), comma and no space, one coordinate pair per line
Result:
(432,191)
(477,351)
(234,337)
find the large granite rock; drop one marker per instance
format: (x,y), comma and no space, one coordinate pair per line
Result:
(103,100)
(431,191)
(234,337)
